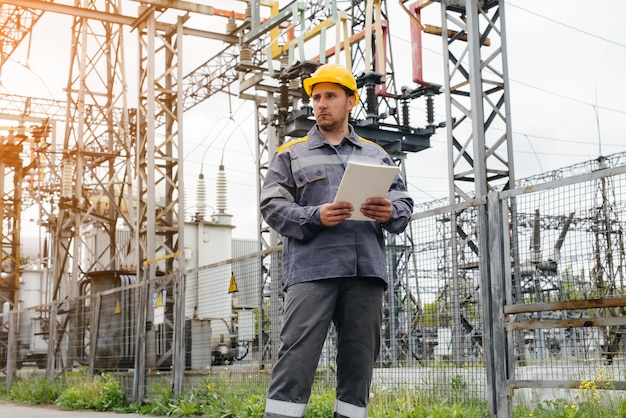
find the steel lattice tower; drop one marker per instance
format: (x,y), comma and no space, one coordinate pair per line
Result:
(480,153)
(114,154)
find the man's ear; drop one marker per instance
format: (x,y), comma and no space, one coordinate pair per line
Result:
(351,101)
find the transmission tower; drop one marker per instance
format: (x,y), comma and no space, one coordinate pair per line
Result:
(480,154)
(17,23)
(358,36)
(112,156)
(12,169)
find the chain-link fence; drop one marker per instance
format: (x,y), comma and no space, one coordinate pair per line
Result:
(562,305)
(565,312)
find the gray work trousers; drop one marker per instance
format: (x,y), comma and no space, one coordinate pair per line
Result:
(354,305)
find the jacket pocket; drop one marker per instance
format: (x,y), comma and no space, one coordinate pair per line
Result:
(312,186)
(309,175)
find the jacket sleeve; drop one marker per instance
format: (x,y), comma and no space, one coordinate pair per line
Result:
(278,202)
(402,207)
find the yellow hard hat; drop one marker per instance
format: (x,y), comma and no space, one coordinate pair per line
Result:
(331,73)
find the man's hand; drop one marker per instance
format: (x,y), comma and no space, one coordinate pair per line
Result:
(332,214)
(378,209)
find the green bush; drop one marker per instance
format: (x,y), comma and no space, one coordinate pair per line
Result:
(113,397)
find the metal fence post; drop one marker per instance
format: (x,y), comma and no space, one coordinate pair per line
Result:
(95,329)
(12,348)
(52,339)
(178,369)
(493,296)
(140,343)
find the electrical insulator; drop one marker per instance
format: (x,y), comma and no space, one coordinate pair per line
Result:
(430,110)
(406,115)
(372,101)
(66,180)
(284,96)
(221,190)
(231,25)
(201,198)
(303,96)
(245,55)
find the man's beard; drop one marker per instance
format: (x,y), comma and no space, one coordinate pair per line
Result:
(329,126)
(332,125)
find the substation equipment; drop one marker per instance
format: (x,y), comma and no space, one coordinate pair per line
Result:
(120,168)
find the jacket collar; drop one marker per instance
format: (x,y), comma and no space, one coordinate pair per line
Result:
(316,139)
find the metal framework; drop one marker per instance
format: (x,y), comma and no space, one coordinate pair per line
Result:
(16,25)
(10,217)
(113,156)
(480,154)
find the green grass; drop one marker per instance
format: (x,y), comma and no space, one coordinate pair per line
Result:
(226,398)
(72,391)
(563,408)
(35,392)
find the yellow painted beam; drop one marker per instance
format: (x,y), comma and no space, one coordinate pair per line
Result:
(277,50)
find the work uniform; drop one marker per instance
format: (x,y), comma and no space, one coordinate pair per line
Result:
(333,274)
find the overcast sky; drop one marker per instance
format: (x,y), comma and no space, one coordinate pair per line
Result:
(566,73)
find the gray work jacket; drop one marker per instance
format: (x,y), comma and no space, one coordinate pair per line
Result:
(303,175)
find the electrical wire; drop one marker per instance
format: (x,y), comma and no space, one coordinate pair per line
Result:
(27,67)
(567,97)
(238,126)
(230,117)
(567,26)
(595,106)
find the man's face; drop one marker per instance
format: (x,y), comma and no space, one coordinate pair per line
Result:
(331,106)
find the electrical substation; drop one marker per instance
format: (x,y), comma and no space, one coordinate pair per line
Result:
(512,284)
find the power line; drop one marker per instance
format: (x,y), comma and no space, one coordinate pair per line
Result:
(567,97)
(528,135)
(568,26)
(594,105)
(230,117)
(573,99)
(568,141)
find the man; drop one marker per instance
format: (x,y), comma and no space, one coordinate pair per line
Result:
(334,269)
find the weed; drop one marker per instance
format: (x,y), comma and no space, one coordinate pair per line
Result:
(100,393)
(225,397)
(458,383)
(35,391)
(591,400)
